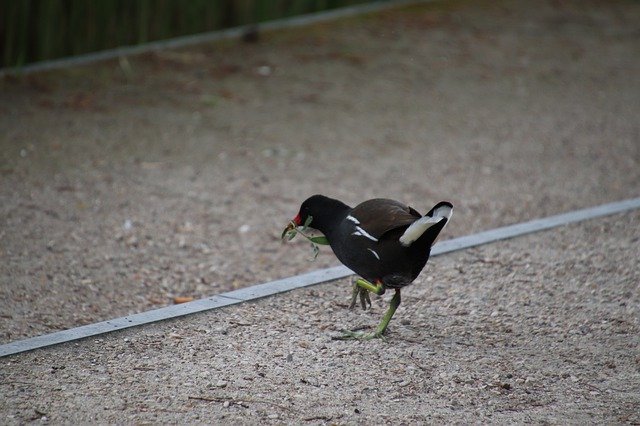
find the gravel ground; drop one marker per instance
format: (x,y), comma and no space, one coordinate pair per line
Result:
(124,185)
(539,329)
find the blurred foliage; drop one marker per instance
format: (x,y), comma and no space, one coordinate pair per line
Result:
(37,30)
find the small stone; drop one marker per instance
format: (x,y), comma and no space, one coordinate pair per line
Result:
(264,70)
(221,384)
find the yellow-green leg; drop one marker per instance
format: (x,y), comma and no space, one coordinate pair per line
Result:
(364,286)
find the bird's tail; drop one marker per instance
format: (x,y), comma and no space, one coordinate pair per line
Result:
(429,225)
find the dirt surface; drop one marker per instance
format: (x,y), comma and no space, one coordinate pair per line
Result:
(126,184)
(540,329)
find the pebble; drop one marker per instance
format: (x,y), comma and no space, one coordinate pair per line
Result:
(264,70)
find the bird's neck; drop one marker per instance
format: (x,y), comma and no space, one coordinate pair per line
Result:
(327,219)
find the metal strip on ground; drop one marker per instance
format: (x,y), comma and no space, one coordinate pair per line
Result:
(190,40)
(306,280)
(535,225)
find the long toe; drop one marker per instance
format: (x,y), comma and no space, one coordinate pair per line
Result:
(365,300)
(363,295)
(354,296)
(358,335)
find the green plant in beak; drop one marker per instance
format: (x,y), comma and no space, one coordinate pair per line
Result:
(292,230)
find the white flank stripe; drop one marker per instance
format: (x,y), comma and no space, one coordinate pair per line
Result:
(353,219)
(374,253)
(364,233)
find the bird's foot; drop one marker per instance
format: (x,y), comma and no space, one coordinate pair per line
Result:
(363,293)
(359,335)
(382,327)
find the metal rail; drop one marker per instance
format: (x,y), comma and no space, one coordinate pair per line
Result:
(306,280)
(190,40)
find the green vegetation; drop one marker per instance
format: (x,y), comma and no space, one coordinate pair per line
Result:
(36,30)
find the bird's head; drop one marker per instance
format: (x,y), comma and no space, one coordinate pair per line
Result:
(304,216)
(317,212)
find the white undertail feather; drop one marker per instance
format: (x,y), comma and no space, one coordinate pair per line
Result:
(420,226)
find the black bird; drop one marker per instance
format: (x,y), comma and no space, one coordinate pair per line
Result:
(384,241)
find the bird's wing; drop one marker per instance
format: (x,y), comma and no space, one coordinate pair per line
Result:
(379,216)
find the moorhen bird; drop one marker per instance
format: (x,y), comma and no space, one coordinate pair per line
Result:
(383,241)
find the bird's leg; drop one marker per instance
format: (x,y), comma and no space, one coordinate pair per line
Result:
(365,300)
(364,297)
(395,302)
(361,288)
(382,327)
(376,288)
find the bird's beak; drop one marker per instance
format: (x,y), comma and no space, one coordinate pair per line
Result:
(291,226)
